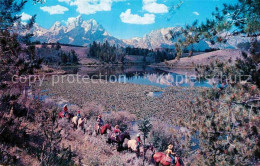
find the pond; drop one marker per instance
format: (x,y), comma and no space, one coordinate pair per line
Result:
(144,75)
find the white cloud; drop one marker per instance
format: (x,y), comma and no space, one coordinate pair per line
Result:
(127,17)
(93,6)
(66,1)
(54,9)
(196,13)
(25,16)
(153,7)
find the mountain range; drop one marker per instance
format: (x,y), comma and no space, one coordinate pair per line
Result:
(83,32)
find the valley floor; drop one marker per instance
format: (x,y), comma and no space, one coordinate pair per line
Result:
(174,101)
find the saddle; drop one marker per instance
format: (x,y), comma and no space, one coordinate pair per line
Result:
(113,135)
(168,159)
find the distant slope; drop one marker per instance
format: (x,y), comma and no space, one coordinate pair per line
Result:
(82,53)
(204,59)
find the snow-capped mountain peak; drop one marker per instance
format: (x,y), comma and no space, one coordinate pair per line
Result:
(155,39)
(56,26)
(83,32)
(92,25)
(76,31)
(74,21)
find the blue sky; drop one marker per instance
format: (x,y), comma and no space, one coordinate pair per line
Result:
(124,18)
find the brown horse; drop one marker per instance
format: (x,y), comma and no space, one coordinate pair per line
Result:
(119,140)
(161,158)
(103,129)
(68,115)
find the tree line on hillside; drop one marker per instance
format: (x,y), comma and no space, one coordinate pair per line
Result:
(54,55)
(115,54)
(61,44)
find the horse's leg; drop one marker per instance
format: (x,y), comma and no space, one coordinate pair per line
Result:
(118,147)
(73,126)
(83,128)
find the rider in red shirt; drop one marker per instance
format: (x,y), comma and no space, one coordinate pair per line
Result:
(139,142)
(117,131)
(65,110)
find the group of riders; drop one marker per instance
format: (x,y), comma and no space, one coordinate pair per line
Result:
(116,132)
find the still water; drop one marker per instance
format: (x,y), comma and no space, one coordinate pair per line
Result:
(144,75)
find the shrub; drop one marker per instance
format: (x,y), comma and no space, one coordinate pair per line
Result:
(91,109)
(121,118)
(161,136)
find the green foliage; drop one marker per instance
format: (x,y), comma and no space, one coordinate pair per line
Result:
(241,18)
(145,127)
(69,58)
(112,54)
(161,138)
(50,153)
(55,55)
(106,53)
(17,56)
(225,120)
(58,46)
(15,59)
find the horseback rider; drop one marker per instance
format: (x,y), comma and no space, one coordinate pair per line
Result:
(65,110)
(116,131)
(139,142)
(100,122)
(171,154)
(78,116)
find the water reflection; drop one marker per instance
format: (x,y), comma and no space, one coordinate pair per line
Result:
(138,75)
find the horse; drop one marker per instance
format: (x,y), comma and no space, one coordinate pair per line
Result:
(161,158)
(103,129)
(80,123)
(132,146)
(119,139)
(68,115)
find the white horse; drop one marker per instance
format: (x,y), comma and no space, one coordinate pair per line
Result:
(80,122)
(132,145)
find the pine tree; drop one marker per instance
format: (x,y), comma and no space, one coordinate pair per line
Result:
(75,59)
(17,57)
(145,127)
(242,18)
(50,152)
